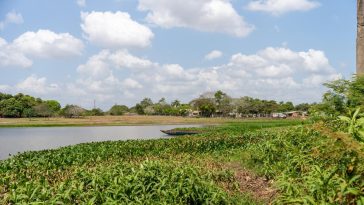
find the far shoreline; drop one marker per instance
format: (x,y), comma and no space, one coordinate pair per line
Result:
(137,120)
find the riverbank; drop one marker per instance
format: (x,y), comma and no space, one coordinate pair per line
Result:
(112,121)
(237,163)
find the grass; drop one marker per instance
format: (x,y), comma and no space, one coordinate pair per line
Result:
(111,121)
(260,162)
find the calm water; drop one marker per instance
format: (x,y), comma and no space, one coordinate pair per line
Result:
(14,140)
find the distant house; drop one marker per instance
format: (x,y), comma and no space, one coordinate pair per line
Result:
(279,115)
(194,113)
(296,114)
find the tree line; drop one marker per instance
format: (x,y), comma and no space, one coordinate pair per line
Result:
(206,105)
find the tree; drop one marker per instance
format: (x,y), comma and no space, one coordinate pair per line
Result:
(29,113)
(53,105)
(176,103)
(11,108)
(146,102)
(206,106)
(118,110)
(42,110)
(94,112)
(303,107)
(355,92)
(139,109)
(223,103)
(149,110)
(72,111)
(285,106)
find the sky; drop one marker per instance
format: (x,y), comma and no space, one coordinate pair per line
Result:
(120,51)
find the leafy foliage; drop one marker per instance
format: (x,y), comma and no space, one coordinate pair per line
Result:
(355,124)
(118,110)
(306,166)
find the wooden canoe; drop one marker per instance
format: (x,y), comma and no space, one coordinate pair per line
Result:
(180,132)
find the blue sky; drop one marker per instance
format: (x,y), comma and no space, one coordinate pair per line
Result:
(120,51)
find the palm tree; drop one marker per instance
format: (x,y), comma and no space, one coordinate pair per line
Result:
(360,39)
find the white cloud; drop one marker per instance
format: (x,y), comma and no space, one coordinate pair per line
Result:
(123,59)
(203,15)
(35,85)
(47,44)
(115,30)
(9,56)
(278,7)
(11,18)
(40,44)
(271,73)
(100,75)
(97,66)
(81,3)
(131,83)
(213,55)
(101,63)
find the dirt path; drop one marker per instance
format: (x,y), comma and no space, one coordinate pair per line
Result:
(257,187)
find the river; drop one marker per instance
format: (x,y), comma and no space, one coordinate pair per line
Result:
(15,140)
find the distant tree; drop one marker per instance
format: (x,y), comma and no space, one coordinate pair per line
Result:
(29,113)
(53,105)
(285,106)
(139,109)
(42,110)
(176,103)
(206,106)
(303,107)
(4,96)
(94,112)
(72,111)
(146,102)
(162,108)
(355,92)
(149,110)
(183,110)
(11,108)
(118,110)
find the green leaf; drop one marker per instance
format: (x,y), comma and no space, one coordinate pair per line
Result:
(345,119)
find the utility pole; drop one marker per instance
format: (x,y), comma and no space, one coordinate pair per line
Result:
(94,104)
(360,39)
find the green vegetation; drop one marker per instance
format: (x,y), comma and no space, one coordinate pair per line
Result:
(341,105)
(118,110)
(301,164)
(212,104)
(21,105)
(249,162)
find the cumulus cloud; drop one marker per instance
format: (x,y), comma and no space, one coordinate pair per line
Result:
(213,55)
(10,56)
(123,59)
(11,18)
(47,44)
(131,83)
(278,7)
(40,44)
(36,85)
(203,15)
(115,30)
(101,63)
(103,75)
(271,73)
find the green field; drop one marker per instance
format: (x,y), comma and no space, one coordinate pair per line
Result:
(254,162)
